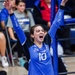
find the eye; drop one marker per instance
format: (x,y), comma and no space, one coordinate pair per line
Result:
(37,30)
(43,31)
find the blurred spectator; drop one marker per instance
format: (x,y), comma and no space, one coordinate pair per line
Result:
(4,14)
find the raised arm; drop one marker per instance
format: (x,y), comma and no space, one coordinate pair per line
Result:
(15,23)
(59,19)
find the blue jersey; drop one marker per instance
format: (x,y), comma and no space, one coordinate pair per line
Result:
(40,63)
(40,58)
(4,15)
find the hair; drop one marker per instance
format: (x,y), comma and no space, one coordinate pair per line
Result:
(24,1)
(33,27)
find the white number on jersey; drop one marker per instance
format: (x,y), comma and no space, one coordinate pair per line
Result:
(42,56)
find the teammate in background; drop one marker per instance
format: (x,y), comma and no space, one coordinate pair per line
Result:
(4,18)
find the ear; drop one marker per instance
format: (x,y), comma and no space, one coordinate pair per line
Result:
(32,36)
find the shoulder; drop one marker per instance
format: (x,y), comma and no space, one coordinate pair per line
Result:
(29,13)
(4,10)
(18,15)
(4,14)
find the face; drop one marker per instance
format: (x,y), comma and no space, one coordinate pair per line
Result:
(21,7)
(12,3)
(38,35)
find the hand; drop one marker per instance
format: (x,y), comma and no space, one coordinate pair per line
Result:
(63,2)
(8,6)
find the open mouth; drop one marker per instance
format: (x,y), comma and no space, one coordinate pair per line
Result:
(40,36)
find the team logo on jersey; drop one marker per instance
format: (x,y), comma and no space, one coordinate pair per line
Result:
(36,50)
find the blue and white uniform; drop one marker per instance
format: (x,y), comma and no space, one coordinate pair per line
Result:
(40,63)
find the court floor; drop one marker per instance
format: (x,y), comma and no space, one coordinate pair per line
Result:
(17,70)
(14,70)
